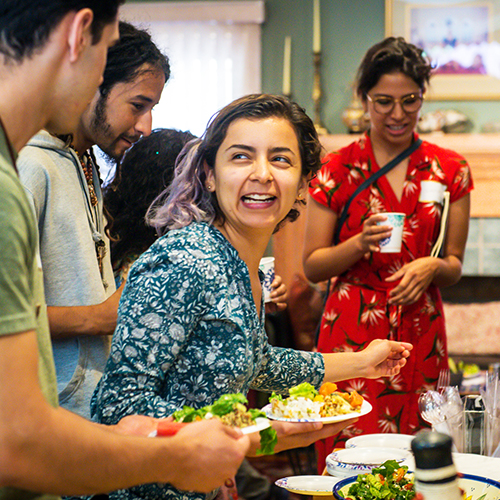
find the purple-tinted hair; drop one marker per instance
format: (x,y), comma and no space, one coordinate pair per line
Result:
(187,198)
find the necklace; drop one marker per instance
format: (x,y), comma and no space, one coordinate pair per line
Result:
(89,175)
(100,246)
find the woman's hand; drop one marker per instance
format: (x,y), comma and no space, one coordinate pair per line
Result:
(372,233)
(299,434)
(384,358)
(415,278)
(279,296)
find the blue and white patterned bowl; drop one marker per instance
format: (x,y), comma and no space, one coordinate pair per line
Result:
(353,461)
(474,486)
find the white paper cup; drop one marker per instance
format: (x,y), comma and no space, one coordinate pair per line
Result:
(432,192)
(393,243)
(266,265)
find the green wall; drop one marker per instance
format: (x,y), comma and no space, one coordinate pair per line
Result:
(349,27)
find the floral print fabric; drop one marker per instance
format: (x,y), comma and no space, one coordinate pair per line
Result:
(188,331)
(357,310)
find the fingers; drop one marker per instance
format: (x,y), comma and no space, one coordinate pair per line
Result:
(396,345)
(279,291)
(386,357)
(299,435)
(415,279)
(285,429)
(373,231)
(211,452)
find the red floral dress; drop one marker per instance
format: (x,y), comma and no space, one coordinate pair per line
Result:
(357,311)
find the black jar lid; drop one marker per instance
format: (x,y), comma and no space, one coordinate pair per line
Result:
(432,450)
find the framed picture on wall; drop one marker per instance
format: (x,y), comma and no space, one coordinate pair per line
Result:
(462,38)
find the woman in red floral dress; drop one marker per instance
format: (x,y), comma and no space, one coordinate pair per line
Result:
(388,295)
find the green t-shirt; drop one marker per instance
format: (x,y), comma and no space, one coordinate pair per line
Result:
(22,302)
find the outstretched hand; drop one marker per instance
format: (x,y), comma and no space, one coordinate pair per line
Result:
(300,434)
(385,358)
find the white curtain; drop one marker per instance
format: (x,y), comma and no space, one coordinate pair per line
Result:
(215,54)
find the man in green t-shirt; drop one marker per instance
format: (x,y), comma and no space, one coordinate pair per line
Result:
(53,54)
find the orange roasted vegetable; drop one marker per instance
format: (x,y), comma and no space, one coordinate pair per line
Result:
(327,388)
(355,399)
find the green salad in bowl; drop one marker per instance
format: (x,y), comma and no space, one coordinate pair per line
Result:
(390,481)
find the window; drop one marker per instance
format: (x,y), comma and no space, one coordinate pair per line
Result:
(215,55)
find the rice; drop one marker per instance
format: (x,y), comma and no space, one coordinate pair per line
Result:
(298,407)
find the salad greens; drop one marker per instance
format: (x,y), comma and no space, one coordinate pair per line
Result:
(304,390)
(231,404)
(387,482)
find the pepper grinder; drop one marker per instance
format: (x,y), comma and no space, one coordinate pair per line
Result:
(435,472)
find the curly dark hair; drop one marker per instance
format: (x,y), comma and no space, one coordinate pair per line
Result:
(392,55)
(188,199)
(26,25)
(127,58)
(146,169)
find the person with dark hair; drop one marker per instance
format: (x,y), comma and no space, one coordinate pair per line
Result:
(53,56)
(62,180)
(144,172)
(191,319)
(388,295)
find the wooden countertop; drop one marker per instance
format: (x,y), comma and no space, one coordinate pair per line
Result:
(482,151)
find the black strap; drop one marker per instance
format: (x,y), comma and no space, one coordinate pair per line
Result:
(407,152)
(367,182)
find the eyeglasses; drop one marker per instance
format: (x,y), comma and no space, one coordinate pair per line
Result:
(384,105)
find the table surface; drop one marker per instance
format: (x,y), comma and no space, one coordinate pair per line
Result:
(466,463)
(479,465)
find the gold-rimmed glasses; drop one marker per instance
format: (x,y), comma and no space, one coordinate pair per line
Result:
(384,104)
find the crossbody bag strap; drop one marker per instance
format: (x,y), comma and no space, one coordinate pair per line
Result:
(367,182)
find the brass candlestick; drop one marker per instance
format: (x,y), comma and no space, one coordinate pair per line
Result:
(316,95)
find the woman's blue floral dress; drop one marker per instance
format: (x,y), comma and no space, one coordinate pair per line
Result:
(188,331)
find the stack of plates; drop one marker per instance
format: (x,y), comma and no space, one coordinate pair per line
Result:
(360,460)
(400,441)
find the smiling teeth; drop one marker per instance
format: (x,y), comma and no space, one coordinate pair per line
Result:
(256,198)
(396,127)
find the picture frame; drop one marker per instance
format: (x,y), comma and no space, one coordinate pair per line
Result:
(461,37)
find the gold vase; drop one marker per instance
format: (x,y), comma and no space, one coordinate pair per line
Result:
(354,117)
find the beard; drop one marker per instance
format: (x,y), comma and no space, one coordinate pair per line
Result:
(102,131)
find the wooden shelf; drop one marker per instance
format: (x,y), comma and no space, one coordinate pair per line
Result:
(482,151)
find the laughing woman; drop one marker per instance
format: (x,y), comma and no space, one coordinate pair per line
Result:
(191,319)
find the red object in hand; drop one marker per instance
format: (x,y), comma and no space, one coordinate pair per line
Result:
(169,428)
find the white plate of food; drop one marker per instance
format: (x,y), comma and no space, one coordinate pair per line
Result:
(400,441)
(366,407)
(261,423)
(309,485)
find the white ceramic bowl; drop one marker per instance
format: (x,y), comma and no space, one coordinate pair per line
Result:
(399,441)
(474,487)
(353,461)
